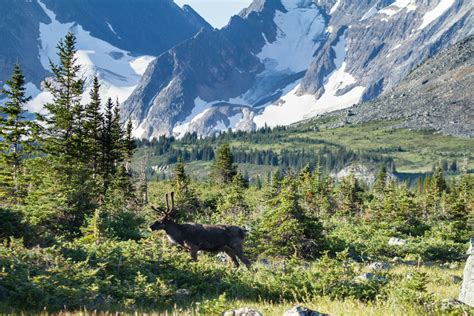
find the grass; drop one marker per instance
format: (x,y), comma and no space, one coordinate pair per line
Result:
(419,149)
(413,151)
(441,285)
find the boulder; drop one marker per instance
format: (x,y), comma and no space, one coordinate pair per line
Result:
(302,311)
(379,266)
(244,311)
(370,276)
(467,290)
(394,241)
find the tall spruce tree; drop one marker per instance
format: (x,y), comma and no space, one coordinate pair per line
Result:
(93,127)
(107,165)
(66,112)
(65,138)
(15,135)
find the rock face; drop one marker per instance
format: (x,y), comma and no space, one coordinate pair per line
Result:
(467,291)
(199,85)
(19,18)
(110,41)
(288,60)
(435,96)
(366,173)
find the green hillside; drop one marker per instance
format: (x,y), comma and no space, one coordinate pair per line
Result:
(412,152)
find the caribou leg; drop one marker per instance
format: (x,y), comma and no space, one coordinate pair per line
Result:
(240,253)
(193,252)
(232,255)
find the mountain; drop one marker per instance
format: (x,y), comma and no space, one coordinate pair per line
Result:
(437,96)
(116,39)
(282,61)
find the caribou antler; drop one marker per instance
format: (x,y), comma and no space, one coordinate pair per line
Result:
(168,211)
(172,201)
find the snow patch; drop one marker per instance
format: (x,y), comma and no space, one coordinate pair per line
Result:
(437,12)
(112,29)
(297,35)
(399,5)
(140,131)
(234,120)
(335,7)
(119,73)
(39,98)
(372,11)
(292,108)
(140,64)
(198,111)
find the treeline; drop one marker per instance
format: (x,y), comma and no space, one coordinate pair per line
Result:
(68,172)
(329,157)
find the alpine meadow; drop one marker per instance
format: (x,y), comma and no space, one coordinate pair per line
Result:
(307,158)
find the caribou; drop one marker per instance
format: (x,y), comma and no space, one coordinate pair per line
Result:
(195,237)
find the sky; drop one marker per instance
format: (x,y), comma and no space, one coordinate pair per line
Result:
(216,12)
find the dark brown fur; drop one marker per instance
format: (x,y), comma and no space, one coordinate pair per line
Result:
(212,238)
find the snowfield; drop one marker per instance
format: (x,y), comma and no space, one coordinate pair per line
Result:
(299,31)
(436,13)
(399,5)
(119,73)
(292,107)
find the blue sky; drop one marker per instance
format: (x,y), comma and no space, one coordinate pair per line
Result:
(216,12)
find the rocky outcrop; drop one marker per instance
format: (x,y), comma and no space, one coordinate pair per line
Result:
(287,60)
(19,26)
(467,290)
(215,65)
(162,24)
(385,40)
(436,96)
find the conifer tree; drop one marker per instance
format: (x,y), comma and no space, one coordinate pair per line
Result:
(16,137)
(285,229)
(129,143)
(273,186)
(117,137)
(65,139)
(223,168)
(185,196)
(380,181)
(93,126)
(438,182)
(349,195)
(107,164)
(232,207)
(65,112)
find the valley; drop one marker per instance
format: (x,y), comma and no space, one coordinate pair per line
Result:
(309,157)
